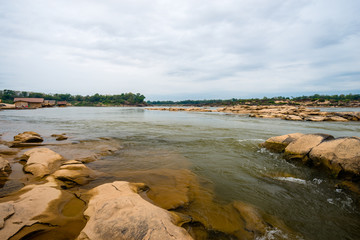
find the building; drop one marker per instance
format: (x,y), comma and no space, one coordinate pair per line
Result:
(28,102)
(49,103)
(62,103)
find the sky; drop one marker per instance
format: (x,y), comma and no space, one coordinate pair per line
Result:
(181,49)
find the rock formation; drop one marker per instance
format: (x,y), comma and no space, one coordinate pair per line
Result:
(116,211)
(341,156)
(41,161)
(74,173)
(283,112)
(5,168)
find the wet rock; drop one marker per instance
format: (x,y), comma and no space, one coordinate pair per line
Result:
(298,149)
(341,155)
(28,137)
(279,143)
(116,211)
(41,161)
(5,168)
(88,158)
(74,173)
(60,137)
(4,150)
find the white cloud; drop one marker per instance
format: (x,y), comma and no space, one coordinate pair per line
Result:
(165,49)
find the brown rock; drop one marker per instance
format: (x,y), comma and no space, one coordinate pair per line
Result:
(279,143)
(60,137)
(24,211)
(116,211)
(4,150)
(341,155)
(74,173)
(41,161)
(299,148)
(28,137)
(5,168)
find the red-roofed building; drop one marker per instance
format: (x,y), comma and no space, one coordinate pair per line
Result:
(28,102)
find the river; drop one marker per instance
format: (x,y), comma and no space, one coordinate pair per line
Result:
(223,149)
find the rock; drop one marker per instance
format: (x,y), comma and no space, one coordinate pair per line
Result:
(337,119)
(24,211)
(116,211)
(341,155)
(279,143)
(4,150)
(59,137)
(41,161)
(74,173)
(315,118)
(88,159)
(41,212)
(5,168)
(28,137)
(292,118)
(299,148)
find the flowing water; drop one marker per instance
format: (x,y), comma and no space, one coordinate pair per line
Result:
(222,149)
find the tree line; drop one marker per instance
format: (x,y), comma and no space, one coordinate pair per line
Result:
(335,99)
(8,96)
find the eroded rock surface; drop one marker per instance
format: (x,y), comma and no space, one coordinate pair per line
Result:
(299,148)
(339,155)
(23,211)
(279,143)
(5,168)
(28,137)
(116,211)
(74,173)
(41,161)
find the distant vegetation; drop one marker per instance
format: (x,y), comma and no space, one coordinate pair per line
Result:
(8,96)
(336,100)
(137,99)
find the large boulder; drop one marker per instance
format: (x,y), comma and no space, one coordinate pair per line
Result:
(28,137)
(298,149)
(5,168)
(74,173)
(279,143)
(41,161)
(341,155)
(116,211)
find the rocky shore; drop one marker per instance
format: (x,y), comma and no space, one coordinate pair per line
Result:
(338,156)
(284,112)
(61,197)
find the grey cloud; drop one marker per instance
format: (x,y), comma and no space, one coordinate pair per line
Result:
(183,41)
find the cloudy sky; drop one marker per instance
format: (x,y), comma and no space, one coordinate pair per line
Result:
(180,49)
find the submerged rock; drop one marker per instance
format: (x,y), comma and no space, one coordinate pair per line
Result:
(59,137)
(41,161)
(116,211)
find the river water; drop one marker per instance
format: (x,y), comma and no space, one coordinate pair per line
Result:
(222,149)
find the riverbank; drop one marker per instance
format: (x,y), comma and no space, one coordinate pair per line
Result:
(282,112)
(64,198)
